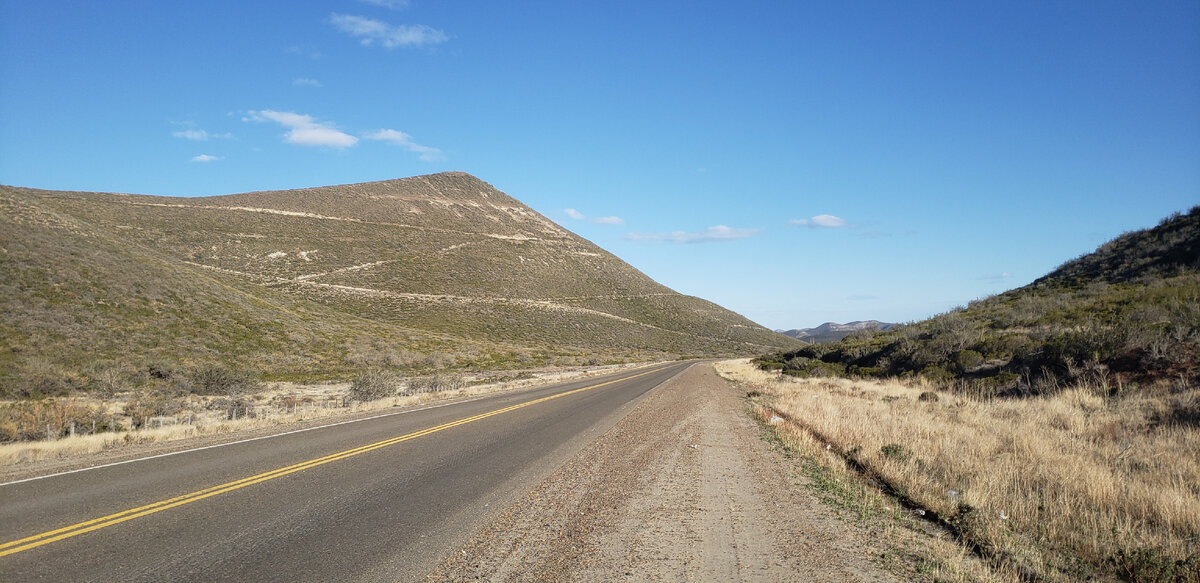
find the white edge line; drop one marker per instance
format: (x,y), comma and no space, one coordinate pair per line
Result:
(182,451)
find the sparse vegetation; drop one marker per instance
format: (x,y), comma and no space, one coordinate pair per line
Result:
(1052,428)
(1063,487)
(374,383)
(422,276)
(1126,318)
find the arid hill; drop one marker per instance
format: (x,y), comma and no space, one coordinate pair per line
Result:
(423,272)
(1126,316)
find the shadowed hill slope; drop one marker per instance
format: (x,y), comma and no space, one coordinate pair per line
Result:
(312,282)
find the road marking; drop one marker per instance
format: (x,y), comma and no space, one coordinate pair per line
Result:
(271,436)
(50,536)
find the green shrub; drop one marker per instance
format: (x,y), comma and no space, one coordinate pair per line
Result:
(967,360)
(1155,566)
(896,452)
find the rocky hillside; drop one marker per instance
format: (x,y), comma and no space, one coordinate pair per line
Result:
(1126,317)
(431,271)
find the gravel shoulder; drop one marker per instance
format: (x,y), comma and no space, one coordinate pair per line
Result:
(681,489)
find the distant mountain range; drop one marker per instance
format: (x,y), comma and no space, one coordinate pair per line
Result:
(832,331)
(426,272)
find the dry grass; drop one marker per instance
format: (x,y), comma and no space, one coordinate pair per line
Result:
(1066,487)
(279,404)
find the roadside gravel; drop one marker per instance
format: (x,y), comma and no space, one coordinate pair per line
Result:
(681,489)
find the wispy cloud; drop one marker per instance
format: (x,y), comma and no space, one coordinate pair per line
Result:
(199,135)
(716,233)
(306,82)
(206,158)
(393,4)
(427,153)
(819,222)
(610,220)
(370,31)
(304,51)
(303,130)
(995,277)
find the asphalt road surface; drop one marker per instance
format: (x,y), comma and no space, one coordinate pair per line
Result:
(374,500)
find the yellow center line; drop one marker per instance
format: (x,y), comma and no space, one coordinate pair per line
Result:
(50,536)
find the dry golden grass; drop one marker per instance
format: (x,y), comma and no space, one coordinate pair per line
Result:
(1065,487)
(303,398)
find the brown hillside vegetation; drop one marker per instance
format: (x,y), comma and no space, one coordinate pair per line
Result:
(427,272)
(1054,428)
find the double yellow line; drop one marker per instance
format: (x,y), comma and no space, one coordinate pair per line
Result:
(50,536)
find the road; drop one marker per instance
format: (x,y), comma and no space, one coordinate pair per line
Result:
(380,499)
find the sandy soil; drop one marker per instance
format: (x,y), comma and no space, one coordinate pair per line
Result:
(682,489)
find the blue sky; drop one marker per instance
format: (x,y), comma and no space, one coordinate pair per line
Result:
(796,162)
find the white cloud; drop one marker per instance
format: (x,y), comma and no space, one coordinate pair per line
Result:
(190,134)
(574,214)
(199,135)
(206,158)
(393,4)
(820,221)
(609,221)
(303,130)
(717,233)
(370,31)
(428,154)
(306,82)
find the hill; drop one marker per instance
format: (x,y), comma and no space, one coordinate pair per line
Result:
(1123,317)
(832,331)
(425,272)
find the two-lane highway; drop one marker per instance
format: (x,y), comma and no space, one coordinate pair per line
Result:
(377,499)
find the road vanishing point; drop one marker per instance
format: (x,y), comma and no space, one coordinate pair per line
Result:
(384,498)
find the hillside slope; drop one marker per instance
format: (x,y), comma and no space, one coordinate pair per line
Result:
(315,282)
(1123,317)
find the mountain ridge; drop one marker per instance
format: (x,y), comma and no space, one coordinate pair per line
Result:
(833,331)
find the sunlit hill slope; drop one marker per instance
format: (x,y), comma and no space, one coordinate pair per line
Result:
(431,271)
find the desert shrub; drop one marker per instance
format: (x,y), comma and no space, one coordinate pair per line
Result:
(374,383)
(1155,566)
(108,382)
(233,407)
(42,385)
(966,360)
(896,452)
(48,418)
(148,403)
(936,373)
(866,371)
(161,370)
(816,368)
(929,396)
(1001,381)
(215,379)
(435,383)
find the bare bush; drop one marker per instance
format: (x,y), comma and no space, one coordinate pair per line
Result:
(374,383)
(435,384)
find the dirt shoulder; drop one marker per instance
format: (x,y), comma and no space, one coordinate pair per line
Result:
(682,489)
